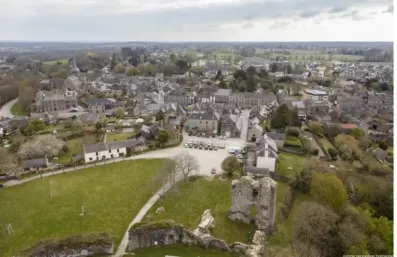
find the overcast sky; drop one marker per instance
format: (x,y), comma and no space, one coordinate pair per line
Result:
(196,20)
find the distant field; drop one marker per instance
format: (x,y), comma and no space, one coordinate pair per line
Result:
(62,61)
(302,55)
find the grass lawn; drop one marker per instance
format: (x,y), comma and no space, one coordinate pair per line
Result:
(283,235)
(281,190)
(75,147)
(118,137)
(17,110)
(288,160)
(186,204)
(112,195)
(292,141)
(62,61)
(326,143)
(180,250)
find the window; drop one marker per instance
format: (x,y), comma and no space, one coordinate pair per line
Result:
(110,151)
(118,150)
(96,153)
(90,158)
(206,122)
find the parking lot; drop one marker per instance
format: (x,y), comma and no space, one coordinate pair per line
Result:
(209,159)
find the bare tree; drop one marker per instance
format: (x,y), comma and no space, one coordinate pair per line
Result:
(47,145)
(7,163)
(186,164)
(171,172)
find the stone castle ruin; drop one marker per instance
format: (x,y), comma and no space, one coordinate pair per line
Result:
(248,194)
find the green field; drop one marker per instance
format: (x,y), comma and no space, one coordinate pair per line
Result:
(118,137)
(304,55)
(179,250)
(112,195)
(186,204)
(292,161)
(17,110)
(62,61)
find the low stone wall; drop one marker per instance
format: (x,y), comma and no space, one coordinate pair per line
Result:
(74,246)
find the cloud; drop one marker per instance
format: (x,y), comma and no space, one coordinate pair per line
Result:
(151,19)
(279,24)
(389,9)
(338,9)
(248,25)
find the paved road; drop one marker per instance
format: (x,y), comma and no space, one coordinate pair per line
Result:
(244,129)
(5,110)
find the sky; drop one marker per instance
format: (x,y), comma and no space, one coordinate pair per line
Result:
(196,20)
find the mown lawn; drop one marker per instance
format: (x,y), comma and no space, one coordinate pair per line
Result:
(326,143)
(179,250)
(289,165)
(186,204)
(118,137)
(17,110)
(112,195)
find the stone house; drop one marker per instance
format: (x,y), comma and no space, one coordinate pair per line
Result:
(222,95)
(55,101)
(202,121)
(101,105)
(249,100)
(254,132)
(35,164)
(231,126)
(262,154)
(105,151)
(150,132)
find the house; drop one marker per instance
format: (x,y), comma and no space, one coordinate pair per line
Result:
(278,138)
(55,100)
(150,132)
(35,164)
(265,153)
(254,132)
(222,95)
(315,95)
(380,154)
(105,151)
(101,105)
(202,121)
(231,125)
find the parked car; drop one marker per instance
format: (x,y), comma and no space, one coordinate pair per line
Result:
(205,147)
(190,133)
(213,171)
(195,145)
(190,145)
(185,145)
(200,147)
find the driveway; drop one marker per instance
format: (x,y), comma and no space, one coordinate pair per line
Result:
(5,110)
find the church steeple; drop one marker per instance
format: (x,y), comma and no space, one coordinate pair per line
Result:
(74,68)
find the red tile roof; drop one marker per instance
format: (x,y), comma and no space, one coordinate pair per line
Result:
(347,126)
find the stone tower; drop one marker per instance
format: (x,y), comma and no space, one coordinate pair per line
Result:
(248,193)
(74,68)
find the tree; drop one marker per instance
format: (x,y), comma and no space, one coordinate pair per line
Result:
(332,152)
(357,133)
(383,145)
(35,125)
(98,127)
(119,68)
(303,181)
(273,67)
(182,65)
(328,189)
(7,162)
(131,71)
(230,165)
(163,137)
(171,172)
(119,112)
(240,74)
(41,146)
(160,115)
(316,128)
(186,164)
(315,225)
(282,117)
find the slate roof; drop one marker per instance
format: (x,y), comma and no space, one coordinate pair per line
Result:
(276,136)
(34,163)
(202,116)
(93,148)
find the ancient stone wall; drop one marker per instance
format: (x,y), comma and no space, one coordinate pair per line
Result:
(74,246)
(153,236)
(248,192)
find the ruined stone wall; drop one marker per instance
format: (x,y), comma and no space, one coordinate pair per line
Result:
(74,246)
(248,192)
(152,236)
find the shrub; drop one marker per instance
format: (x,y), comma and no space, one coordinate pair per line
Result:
(316,128)
(378,169)
(332,152)
(293,132)
(383,145)
(292,141)
(314,151)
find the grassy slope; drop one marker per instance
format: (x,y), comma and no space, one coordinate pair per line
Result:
(286,160)
(186,204)
(16,109)
(181,251)
(112,194)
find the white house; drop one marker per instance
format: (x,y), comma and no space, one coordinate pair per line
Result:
(315,95)
(105,151)
(266,155)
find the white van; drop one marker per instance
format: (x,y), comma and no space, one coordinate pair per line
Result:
(233,149)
